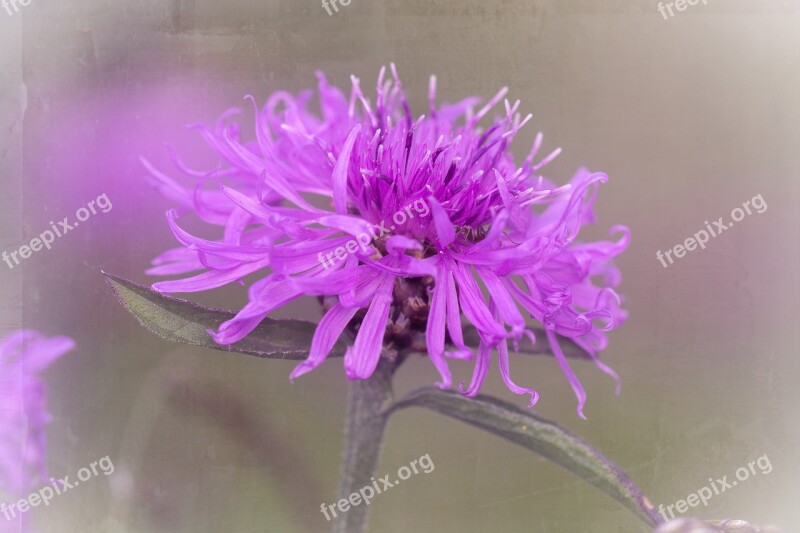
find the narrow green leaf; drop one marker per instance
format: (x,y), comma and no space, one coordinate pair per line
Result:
(540,436)
(181,321)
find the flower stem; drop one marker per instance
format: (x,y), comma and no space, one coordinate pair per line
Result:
(365,424)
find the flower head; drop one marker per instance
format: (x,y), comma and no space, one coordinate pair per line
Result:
(395,221)
(23,414)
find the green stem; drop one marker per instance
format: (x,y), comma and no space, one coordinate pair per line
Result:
(365,424)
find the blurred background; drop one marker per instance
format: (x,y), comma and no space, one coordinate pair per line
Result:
(690,117)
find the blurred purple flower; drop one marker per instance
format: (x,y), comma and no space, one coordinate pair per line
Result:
(23,414)
(477,216)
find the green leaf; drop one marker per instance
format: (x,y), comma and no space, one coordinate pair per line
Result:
(540,436)
(181,321)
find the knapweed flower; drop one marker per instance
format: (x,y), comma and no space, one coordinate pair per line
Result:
(24,355)
(400,225)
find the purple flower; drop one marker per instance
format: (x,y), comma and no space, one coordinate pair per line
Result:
(23,414)
(395,222)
